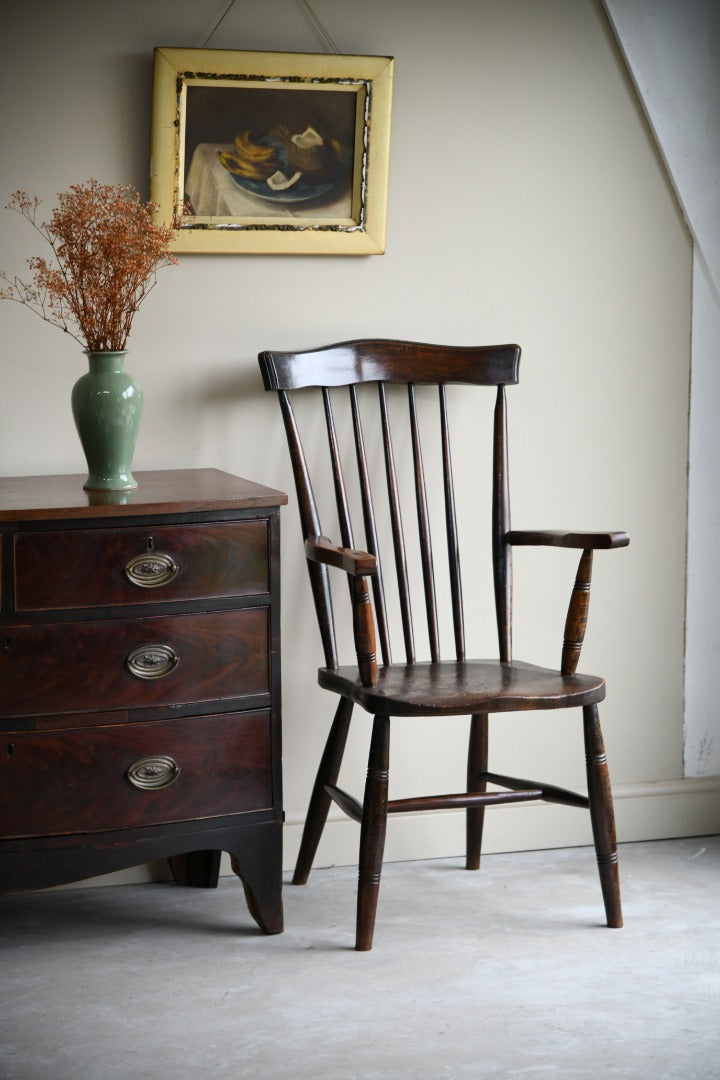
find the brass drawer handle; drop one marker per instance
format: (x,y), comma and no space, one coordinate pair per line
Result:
(150,570)
(153,773)
(152,661)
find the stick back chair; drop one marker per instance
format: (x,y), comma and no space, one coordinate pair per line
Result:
(435,687)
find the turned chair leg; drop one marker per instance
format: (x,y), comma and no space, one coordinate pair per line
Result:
(476,766)
(602,815)
(372,832)
(327,773)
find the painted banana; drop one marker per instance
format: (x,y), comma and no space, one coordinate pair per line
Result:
(250,171)
(252,151)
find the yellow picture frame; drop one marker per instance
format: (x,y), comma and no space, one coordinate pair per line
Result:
(271,153)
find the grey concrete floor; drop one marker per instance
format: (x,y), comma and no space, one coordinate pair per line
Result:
(500,974)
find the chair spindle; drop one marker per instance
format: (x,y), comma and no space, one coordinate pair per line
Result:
(502,566)
(424,530)
(346,532)
(397,530)
(310,522)
(452,532)
(370,528)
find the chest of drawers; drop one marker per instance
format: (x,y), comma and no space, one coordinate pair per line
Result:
(140,681)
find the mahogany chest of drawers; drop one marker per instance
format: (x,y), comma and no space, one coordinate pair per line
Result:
(140,681)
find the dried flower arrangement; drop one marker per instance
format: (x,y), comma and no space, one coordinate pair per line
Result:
(108,251)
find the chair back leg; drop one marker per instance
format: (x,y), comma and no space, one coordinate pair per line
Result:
(477,765)
(327,773)
(602,815)
(372,832)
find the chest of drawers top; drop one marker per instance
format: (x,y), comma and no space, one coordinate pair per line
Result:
(165,492)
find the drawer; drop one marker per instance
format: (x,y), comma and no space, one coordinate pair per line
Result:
(80,781)
(96,567)
(134,663)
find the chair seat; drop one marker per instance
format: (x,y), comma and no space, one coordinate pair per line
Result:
(451,688)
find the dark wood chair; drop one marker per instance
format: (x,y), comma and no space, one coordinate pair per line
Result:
(432,687)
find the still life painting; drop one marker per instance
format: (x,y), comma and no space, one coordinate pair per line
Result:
(271,152)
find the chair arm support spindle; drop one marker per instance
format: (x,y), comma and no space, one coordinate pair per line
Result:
(359,565)
(577,615)
(364,631)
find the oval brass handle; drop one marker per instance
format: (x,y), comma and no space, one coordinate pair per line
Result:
(153,773)
(150,570)
(152,661)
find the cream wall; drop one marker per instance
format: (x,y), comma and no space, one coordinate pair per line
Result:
(527,203)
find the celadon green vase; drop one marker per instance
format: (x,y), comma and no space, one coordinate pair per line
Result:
(107,406)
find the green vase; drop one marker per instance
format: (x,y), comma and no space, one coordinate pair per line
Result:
(107,405)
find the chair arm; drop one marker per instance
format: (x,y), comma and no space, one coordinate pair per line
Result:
(359,565)
(577,615)
(588,541)
(352,561)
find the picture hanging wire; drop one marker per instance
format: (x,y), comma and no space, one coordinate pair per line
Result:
(308,10)
(217,24)
(319,26)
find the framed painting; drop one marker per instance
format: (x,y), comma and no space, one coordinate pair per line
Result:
(279,153)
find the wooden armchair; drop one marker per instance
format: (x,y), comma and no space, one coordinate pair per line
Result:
(433,687)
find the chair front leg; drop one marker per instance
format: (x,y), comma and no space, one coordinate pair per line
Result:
(372,832)
(327,773)
(477,764)
(602,815)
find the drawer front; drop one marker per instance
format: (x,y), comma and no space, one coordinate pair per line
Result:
(134,663)
(102,778)
(97,567)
